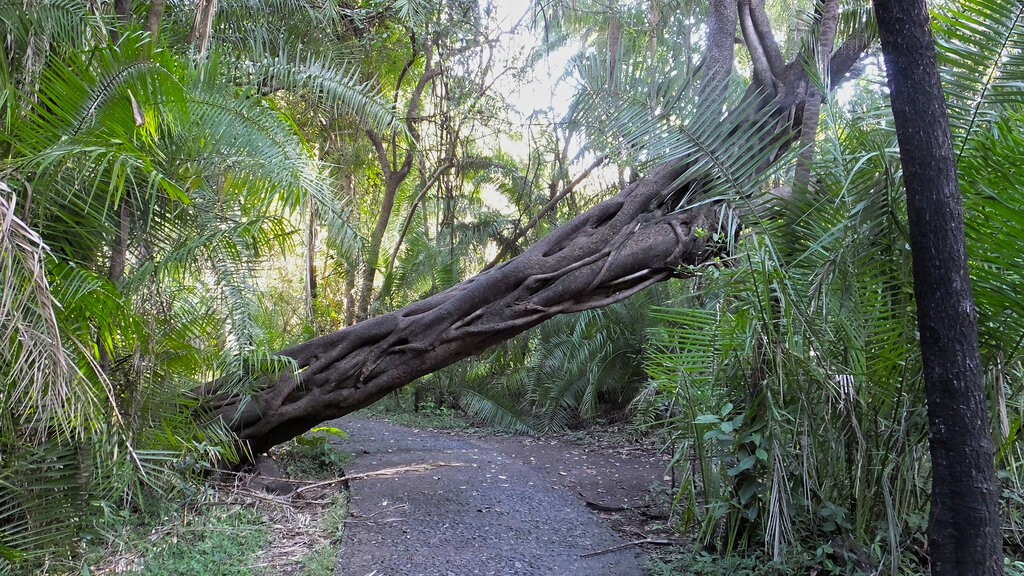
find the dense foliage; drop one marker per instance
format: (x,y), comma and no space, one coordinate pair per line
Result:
(178,201)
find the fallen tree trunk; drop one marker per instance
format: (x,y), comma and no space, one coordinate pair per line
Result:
(608,253)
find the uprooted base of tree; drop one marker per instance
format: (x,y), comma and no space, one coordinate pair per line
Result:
(606,254)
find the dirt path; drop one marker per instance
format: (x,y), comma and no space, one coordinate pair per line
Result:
(506,506)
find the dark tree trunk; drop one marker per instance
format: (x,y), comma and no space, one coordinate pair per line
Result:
(606,254)
(123,11)
(963,534)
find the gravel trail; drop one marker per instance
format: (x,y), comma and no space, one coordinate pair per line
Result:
(506,507)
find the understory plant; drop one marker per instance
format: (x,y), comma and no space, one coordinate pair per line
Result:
(792,378)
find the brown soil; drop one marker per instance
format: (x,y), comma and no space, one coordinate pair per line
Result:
(503,505)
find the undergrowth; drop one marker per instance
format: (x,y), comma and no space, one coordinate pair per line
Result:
(427,414)
(312,456)
(227,528)
(214,541)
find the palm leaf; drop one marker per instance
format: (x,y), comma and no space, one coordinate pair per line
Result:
(981,50)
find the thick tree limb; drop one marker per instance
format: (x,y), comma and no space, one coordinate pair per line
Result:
(763,73)
(716,66)
(604,255)
(759,20)
(153,17)
(819,60)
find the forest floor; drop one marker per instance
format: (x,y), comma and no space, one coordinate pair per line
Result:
(470,503)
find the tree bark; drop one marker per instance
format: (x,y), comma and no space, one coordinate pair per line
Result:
(115,270)
(311,281)
(153,17)
(123,12)
(604,255)
(963,533)
(812,109)
(202,26)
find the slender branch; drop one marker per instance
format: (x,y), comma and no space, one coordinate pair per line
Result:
(820,57)
(503,253)
(374,474)
(658,541)
(763,74)
(412,211)
(759,18)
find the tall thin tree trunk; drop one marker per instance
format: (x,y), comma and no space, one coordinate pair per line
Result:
(119,247)
(614,48)
(115,270)
(351,270)
(812,109)
(153,17)
(653,25)
(372,254)
(311,287)
(123,12)
(202,26)
(350,295)
(394,175)
(964,536)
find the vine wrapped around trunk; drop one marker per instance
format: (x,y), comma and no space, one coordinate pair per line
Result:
(604,255)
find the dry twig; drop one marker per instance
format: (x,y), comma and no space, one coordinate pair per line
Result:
(658,541)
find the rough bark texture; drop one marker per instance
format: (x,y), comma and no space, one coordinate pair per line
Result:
(812,111)
(202,26)
(606,254)
(963,535)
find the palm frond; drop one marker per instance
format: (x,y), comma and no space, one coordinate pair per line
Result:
(994,220)
(495,409)
(981,50)
(45,386)
(336,87)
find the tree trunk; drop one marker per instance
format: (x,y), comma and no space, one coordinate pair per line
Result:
(123,13)
(115,269)
(604,255)
(311,283)
(153,17)
(372,255)
(394,173)
(812,109)
(963,533)
(202,26)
